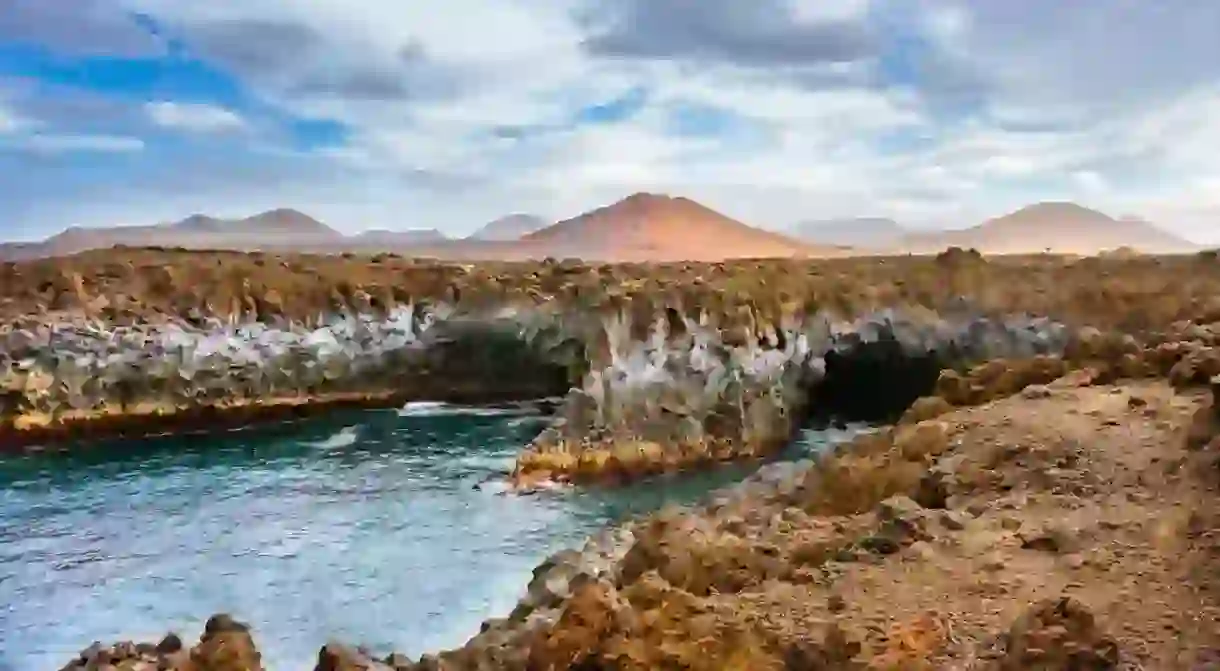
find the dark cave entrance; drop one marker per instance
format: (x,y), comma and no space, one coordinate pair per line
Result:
(873,383)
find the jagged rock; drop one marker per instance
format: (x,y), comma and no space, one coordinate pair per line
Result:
(1055,537)
(1205,423)
(336,657)
(226,645)
(925,408)
(169,645)
(1058,634)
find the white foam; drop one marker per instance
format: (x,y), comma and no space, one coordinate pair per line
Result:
(439,409)
(502,464)
(345,437)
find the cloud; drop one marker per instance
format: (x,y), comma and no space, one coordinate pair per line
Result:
(932,111)
(85,27)
(9,121)
(760,33)
(57,144)
(195,117)
(20,132)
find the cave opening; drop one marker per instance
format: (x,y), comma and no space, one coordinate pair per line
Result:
(872,383)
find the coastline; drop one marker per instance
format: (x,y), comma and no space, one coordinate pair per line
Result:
(725,357)
(1062,525)
(33,433)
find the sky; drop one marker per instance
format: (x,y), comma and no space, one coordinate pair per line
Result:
(418,114)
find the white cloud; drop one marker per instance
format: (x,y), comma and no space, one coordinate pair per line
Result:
(194,117)
(978,108)
(9,123)
(12,121)
(56,144)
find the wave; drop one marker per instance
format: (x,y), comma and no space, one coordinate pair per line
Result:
(440,409)
(345,437)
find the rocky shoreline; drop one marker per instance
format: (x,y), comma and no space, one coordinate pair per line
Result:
(1002,421)
(61,382)
(1067,526)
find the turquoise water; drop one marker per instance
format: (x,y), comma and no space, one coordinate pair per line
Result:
(366,528)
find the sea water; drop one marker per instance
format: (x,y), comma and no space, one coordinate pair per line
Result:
(370,528)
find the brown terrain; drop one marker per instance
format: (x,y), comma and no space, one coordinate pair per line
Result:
(1062,228)
(653,228)
(643,227)
(1067,527)
(1056,513)
(509,228)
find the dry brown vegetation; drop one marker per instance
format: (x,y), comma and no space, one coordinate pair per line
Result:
(130,285)
(1043,514)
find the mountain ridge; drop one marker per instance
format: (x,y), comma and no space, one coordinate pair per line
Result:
(1063,227)
(650,226)
(509,227)
(640,227)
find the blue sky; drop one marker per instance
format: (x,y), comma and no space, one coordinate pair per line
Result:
(396,115)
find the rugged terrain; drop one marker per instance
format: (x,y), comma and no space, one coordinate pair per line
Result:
(1048,510)
(1069,526)
(705,359)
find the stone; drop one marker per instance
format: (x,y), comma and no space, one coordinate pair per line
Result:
(226,645)
(169,645)
(922,550)
(1056,537)
(1036,392)
(1059,634)
(954,520)
(337,657)
(399,662)
(925,408)
(899,508)
(994,562)
(881,544)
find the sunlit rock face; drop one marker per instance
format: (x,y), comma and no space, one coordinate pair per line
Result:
(650,385)
(695,390)
(55,371)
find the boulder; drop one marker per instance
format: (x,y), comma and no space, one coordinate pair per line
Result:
(226,645)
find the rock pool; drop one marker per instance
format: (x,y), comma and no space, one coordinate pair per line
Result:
(366,527)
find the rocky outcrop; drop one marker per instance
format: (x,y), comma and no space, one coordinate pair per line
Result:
(1028,480)
(693,391)
(999,535)
(225,645)
(1058,634)
(58,381)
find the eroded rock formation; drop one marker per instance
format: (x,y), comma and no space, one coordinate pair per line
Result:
(1023,513)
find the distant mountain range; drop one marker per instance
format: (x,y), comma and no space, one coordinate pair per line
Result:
(864,232)
(641,227)
(1060,227)
(512,227)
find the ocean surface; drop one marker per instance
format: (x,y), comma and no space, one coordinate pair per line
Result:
(368,528)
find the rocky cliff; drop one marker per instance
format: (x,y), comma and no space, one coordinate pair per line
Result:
(1048,509)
